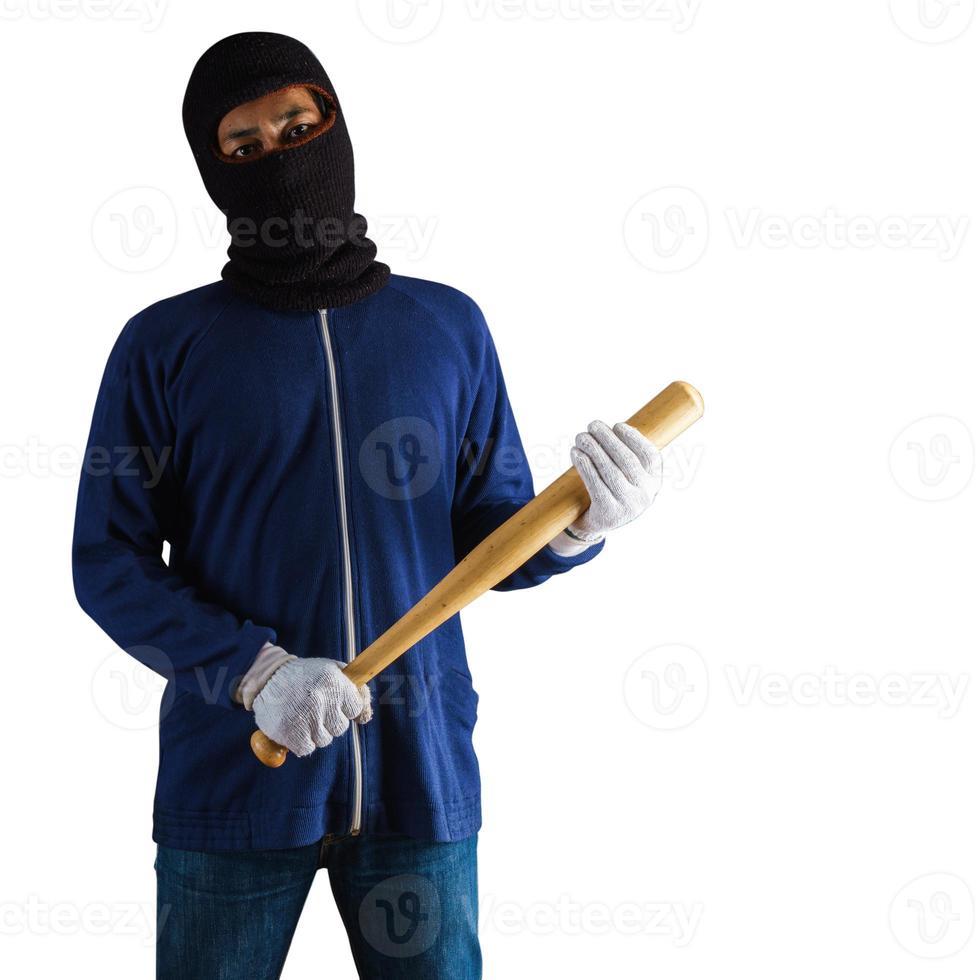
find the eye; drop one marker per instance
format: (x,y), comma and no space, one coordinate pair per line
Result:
(244,151)
(297,131)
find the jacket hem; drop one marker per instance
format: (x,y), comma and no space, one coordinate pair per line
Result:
(277,830)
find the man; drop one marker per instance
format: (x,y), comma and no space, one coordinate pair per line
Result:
(319,442)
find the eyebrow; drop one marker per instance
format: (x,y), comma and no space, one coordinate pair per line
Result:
(283,117)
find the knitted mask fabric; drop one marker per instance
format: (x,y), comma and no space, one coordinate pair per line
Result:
(296,242)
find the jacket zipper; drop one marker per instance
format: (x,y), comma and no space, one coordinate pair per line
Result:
(351,652)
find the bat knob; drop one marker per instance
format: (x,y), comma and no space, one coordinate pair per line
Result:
(269,753)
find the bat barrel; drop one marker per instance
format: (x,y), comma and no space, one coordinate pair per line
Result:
(667,415)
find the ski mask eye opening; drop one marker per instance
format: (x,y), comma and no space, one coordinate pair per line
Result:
(280,120)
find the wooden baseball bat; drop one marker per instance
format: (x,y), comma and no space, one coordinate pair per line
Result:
(503,551)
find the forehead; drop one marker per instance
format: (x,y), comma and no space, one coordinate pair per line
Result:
(270,106)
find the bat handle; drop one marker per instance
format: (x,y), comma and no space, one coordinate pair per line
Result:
(271,753)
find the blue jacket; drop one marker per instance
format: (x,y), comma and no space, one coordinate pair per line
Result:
(315,474)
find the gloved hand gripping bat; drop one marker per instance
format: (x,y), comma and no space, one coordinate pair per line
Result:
(502,552)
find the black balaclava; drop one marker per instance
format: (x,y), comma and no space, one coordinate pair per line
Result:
(296,242)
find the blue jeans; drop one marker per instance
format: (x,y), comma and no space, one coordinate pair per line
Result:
(409,907)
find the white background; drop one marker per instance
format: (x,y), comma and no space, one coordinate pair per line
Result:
(746,735)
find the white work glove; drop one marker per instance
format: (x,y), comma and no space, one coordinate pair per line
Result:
(623,472)
(303,703)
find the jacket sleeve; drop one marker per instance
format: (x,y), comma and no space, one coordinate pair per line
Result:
(127,505)
(493,479)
